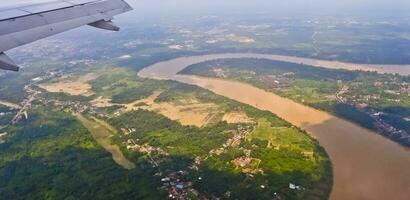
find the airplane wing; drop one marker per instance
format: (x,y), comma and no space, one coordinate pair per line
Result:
(23,24)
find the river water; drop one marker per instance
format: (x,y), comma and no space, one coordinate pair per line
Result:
(365,164)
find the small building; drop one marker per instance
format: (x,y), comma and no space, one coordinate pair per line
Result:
(165,179)
(179,186)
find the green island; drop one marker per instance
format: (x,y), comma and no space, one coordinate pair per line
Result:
(375,101)
(182,142)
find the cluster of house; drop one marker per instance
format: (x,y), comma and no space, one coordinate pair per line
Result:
(32,92)
(247,164)
(293,186)
(27,103)
(361,103)
(176,186)
(144,148)
(176,183)
(276,81)
(72,106)
(127,131)
(219,72)
(388,129)
(403,87)
(241,133)
(5,113)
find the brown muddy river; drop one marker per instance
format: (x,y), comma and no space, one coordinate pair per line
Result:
(365,165)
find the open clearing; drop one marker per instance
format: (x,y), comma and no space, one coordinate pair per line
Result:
(9,104)
(2,135)
(73,86)
(102,102)
(102,133)
(237,117)
(188,111)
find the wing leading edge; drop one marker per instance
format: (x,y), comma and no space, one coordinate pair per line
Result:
(28,23)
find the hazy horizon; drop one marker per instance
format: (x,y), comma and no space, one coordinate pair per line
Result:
(384,8)
(290,7)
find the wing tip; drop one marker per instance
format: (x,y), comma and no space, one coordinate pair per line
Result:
(7,64)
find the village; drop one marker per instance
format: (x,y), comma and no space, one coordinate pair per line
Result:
(177,183)
(361,102)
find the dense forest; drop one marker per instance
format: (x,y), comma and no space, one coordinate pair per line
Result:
(52,156)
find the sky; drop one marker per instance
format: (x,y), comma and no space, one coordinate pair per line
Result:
(280,7)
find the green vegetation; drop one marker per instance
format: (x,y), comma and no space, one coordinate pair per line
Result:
(12,84)
(52,156)
(7,114)
(281,165)
(5,109)
(123,86)
(160,131)
(65,97)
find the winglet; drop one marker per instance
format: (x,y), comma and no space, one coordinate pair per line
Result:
(7,64)
(107,25)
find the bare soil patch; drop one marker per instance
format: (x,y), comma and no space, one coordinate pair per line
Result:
(73,86)
(237,117)
(186,112)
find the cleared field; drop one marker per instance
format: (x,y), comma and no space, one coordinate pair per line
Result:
(188,111)
(236,117)
(102,133)
(148,101)
(2,135)
(9,104)
(73,86)
(280,137)
(102,102)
